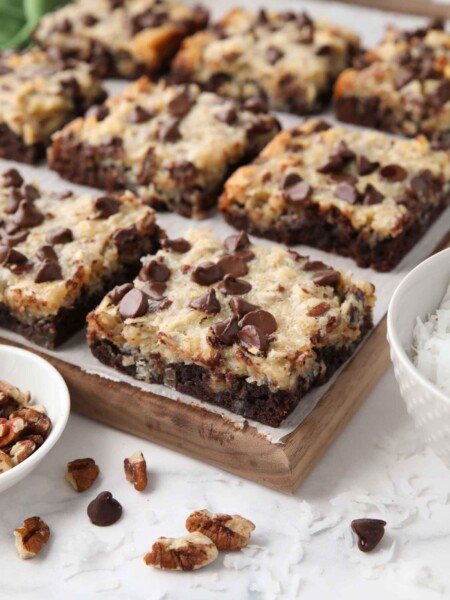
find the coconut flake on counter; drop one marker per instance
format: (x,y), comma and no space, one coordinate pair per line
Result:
(431,345)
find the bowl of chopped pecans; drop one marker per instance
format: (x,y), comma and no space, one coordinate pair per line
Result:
(34,409)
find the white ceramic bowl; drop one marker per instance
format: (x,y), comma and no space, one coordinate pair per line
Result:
(30,372)
(418,295)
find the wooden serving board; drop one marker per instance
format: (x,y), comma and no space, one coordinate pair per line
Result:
(207,436)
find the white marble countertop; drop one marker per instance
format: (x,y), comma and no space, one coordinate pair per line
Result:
(302,546)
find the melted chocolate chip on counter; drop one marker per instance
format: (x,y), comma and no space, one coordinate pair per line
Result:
(273,54)
(261,319)
(207,273)
(369,532)
(46,252)
(327,277)
(240,241)
(298,192)
(105,207)
(140,115)
(372,195)
(180,105)
(154,270)
(104,510)
(364,166)
(347,192)
(206,303)
(27,215)
(251,337)
(240,307)
(226,332)
(179,245)
(59,235)
(393,173)
(12,178)
(49,270)
(233,265)
(118,292)
(154,289)
(134,304)
(168,131)
(234,286)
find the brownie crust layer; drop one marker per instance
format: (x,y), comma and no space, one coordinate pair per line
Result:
(52,332)
(339,237)
(249,400)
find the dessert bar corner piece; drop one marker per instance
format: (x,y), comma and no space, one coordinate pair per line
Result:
(173,145)
(247,328)
(401,86)
(361,194)
(120,38)
(285,58)
(61,252)
(38,95)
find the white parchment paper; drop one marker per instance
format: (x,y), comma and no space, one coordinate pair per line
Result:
(370,24)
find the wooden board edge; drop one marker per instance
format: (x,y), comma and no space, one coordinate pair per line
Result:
(435,10)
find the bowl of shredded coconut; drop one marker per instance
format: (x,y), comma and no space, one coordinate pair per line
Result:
(419,337)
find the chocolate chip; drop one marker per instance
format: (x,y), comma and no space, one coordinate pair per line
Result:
(27,215)
(225,332)
(246,255)
(12,178)
(315,265)
(327,277)
(228,115)
(31,192)
(372,195)
(347,192)
(393,173)
(298,192)
(338,157)
(46,252)
(422,185)
(273,54)
(207,273)
(239,241)
(133,304)
(441,94)
(343,151)
(15,197)
(184,172)
(261,319)
(64,26)
(104,510)
(140,115)
(364,166)
(127,241)
(148,167)
(155,271)
(59,235)
(233,265)
(289,180)
(323,50)
(333,165)
(216,81)
(48,271)
(233,285)
(403,78)
(168,131)
(100,112)
(89,20)
(253,338)
(118,292)
(105,207)
(344,178)
(240,307)
(179,245)
(255,105)
(10,256)
(154,289)
(180,105)
(321,126)
(206,303)
(18,238)
(369,532)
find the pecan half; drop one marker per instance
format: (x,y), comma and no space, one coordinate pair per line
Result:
(81,473)
(135,469)
(10,430)
(186,553)
(228,532)
(6,462)
(31,537)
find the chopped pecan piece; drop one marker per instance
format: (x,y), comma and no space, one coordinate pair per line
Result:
(36,421)
(31,537)
(22,450)
(10,391)
(228,532)
(6,462)
(186,553)
(135,469)
(81,473)
(10,430)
